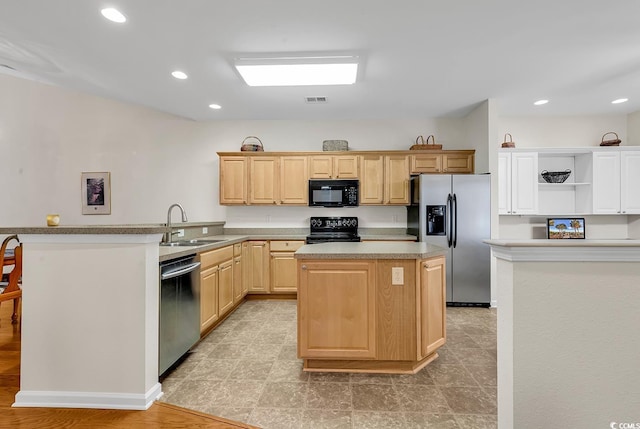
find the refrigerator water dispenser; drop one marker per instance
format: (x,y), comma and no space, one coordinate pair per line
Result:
(436,220)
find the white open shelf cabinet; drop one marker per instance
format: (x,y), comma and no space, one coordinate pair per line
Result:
(575,195)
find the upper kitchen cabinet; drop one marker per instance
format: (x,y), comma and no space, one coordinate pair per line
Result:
(333,167)
(263,172)
(294,174)
(615,175)
(518,183)
(233,180)
(449,162)
(384,179)
(574,195)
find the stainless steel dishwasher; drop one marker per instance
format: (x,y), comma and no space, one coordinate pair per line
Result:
(179,309)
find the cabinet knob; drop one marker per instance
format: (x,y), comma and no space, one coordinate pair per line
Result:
(304,267)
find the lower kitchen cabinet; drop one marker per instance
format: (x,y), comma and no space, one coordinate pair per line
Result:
(225,287)
(284,278)
(372,315)
(337,309)
(216,285)
(258,267)
(208,297)
(432,303)
(238,268)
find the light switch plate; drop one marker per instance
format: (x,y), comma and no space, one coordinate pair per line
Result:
(205,230)
(397,276)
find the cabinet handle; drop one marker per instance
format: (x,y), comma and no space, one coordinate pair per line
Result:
(426,265)
(304,267)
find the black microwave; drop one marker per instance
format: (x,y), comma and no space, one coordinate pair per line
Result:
(333,193)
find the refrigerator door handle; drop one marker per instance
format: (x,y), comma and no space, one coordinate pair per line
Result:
(455,222)
(449,225)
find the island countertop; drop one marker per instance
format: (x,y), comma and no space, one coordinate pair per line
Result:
(390,250)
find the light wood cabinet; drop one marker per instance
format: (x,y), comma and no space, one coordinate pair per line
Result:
(263,174)
(237,273)
(333,167)
(396,180)
(284,277)
(216,285)
(233,180)
(432,304)
(336,309)
(258,267)
(208,297)
(246,267)
(225,287)
(384,179)
(294,176)
(448,162)
(372,315)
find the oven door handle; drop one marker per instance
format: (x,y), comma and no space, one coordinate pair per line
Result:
(180,271)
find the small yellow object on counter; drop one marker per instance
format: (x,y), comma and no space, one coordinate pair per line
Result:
(53,219)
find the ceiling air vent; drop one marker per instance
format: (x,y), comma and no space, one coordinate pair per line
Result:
(315,100)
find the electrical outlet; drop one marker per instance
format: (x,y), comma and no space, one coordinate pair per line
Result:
(397,276)
(268,218)
(181,233)
(205,230)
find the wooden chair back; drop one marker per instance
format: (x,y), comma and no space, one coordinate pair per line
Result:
(12,290)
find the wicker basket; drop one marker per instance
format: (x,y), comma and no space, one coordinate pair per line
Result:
(421,144)
(612,142)
(508,143)
(555,176)
(252,146)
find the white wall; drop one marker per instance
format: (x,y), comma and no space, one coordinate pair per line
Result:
(49,135)
(633,129)
(561,131)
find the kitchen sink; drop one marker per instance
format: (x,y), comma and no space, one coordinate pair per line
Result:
(194,242)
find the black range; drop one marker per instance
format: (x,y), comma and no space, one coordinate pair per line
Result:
(328,229)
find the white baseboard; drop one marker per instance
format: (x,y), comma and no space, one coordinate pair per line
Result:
(110,401)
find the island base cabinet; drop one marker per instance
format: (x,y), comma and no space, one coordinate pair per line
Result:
(432,306)
(374,316)
(336,309)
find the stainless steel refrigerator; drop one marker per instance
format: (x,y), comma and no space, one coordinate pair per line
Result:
(454,211)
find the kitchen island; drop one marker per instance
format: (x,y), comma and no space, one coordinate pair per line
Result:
(370,307)
(568,342)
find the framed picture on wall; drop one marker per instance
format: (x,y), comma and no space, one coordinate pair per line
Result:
(96,193)
(561,228)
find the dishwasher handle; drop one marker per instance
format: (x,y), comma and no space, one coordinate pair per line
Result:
(169,274)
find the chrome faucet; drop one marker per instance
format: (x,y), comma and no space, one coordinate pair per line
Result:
(169,234)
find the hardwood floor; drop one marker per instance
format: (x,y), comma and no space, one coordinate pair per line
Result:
(160,415)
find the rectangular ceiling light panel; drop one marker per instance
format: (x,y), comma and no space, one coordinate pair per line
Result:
(304,71)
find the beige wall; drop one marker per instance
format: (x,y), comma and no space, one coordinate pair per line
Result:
(49,135)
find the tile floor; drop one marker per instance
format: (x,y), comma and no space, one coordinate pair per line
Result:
(247,370)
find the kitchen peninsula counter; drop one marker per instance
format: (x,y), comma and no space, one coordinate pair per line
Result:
(567,332)
(370,307)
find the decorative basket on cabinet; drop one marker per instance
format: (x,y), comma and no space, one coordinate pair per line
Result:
(252,146)
(422,144)
(611,142)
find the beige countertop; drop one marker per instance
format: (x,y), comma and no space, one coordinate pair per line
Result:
(87,229)
(391,250)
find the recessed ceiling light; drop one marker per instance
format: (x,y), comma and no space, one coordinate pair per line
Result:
(620,100)
(541,102)
(215,106)
(113,15)
(298,71)
(179,75)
